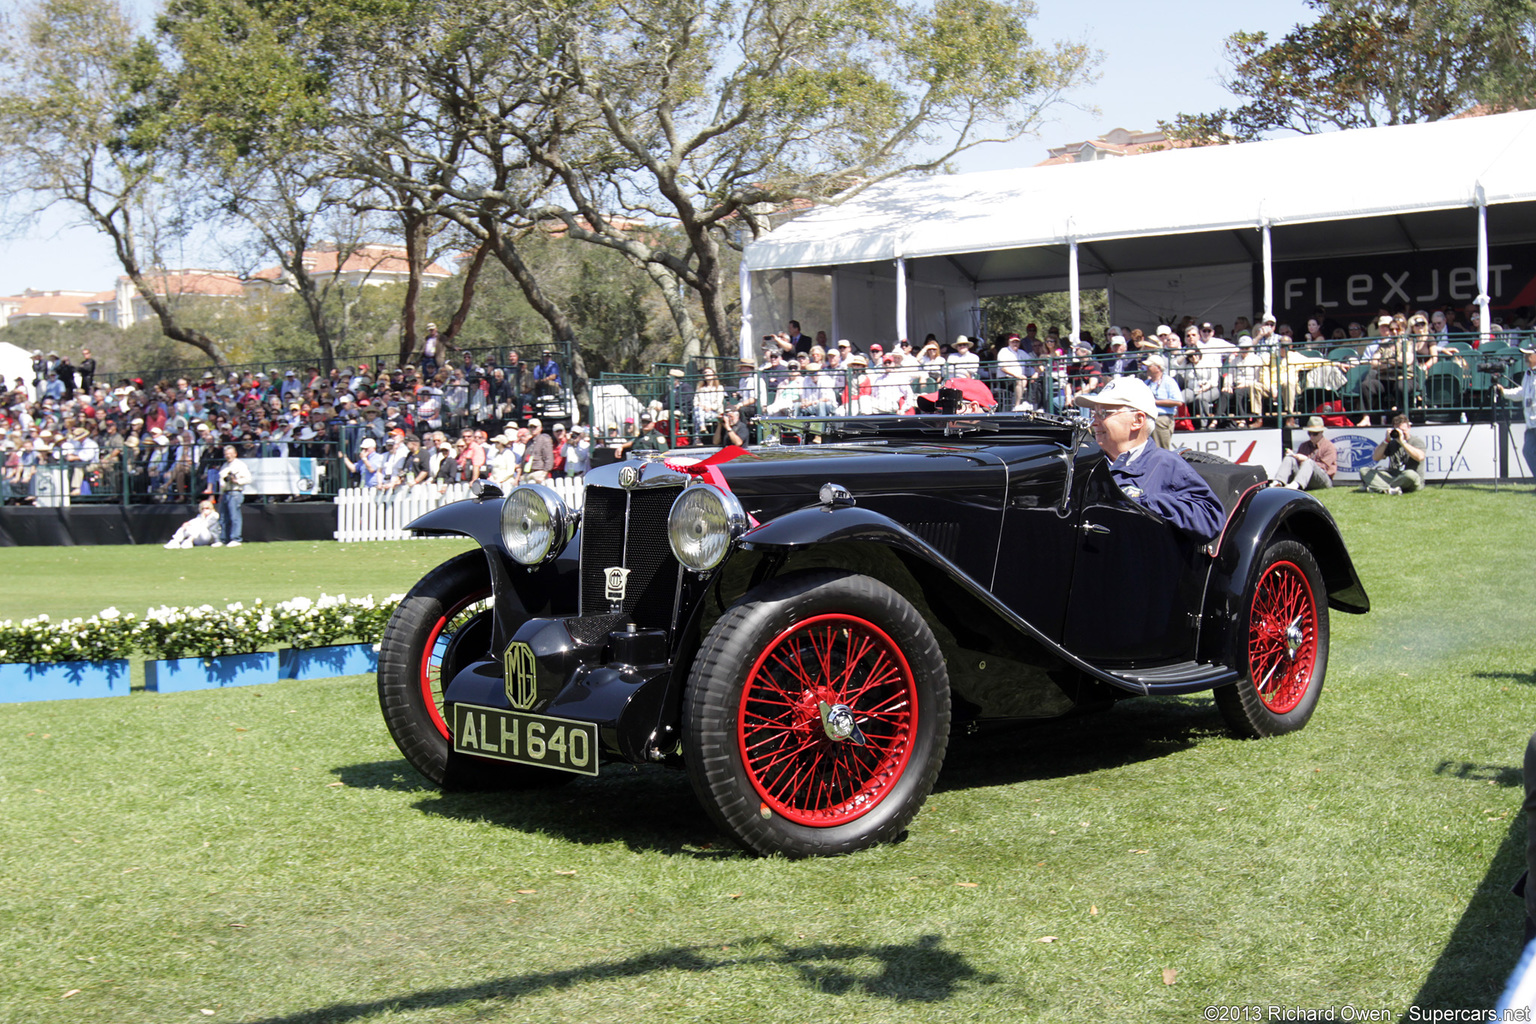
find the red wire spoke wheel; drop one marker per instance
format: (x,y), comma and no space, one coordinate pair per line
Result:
(1282,644)
(802,770)
(816,715)
(443,637)
(1282,636)
(427,637)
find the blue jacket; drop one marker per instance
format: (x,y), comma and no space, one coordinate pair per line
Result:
(1164,483)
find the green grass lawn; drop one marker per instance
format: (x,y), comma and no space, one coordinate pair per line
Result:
(266,855)
(79,581)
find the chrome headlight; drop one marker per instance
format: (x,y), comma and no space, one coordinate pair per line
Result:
(535,524)
(703,522)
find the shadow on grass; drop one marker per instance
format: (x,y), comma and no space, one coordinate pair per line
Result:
(1134,731)
(920,971)
(652,808)
(397,776)
(1504,776)
(649,808)
(1523,678)
(1472,968)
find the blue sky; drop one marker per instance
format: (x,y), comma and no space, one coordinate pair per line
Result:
(1160,60)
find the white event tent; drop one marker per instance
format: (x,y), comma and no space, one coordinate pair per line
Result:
(15,362)
(1186,229)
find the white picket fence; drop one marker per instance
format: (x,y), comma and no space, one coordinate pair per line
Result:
(363,513)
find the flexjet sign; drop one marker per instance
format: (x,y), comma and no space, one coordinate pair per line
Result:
(1361,285)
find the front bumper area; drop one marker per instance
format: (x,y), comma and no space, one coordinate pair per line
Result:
(618,681)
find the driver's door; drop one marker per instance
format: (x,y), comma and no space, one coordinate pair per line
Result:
(1135,582)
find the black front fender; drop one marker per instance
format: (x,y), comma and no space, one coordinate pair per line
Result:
(520,591)
(1269,511)
(822,525)
(1262,515)
(479,520)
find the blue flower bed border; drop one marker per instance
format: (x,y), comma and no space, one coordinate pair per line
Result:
(63,680)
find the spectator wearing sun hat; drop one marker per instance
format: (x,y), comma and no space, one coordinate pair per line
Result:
(503,462)
(1312,466)
(1243,391)
(539,456)
(430,345)
(962,361)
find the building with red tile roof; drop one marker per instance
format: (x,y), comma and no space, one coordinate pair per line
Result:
(1120,142)
(366,264)
(60,305)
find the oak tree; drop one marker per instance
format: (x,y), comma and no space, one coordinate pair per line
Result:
(1364,63)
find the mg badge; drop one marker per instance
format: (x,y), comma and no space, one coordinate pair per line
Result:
(628,477)
(615,581)
(522,675)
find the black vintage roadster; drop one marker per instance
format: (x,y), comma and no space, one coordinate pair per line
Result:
(801,625)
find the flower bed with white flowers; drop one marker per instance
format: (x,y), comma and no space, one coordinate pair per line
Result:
(202,632)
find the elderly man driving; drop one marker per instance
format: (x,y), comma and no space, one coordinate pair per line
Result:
(1124,414)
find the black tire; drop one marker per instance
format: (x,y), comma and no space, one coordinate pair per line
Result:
(443,624)
(759,751)
(1205,458)
(1281,643)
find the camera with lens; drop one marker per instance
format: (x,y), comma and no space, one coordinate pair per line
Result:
(1493,365)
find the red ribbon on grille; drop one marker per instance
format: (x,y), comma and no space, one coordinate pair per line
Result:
(709,469)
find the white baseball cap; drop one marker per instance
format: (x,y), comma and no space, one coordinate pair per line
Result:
(1131,392)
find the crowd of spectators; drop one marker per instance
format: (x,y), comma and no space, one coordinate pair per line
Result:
(1202,375)
(424,425)
(455,417)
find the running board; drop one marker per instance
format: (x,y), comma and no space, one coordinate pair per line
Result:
(1184,677)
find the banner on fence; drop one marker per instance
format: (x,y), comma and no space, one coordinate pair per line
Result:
(1247,447)
(1458,451)
(285,476)
(1465,451)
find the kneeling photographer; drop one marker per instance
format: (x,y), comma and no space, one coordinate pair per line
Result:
(1526,393)
(1404,456)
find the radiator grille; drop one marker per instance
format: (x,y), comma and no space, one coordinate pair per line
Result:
(594,629)
(607,517)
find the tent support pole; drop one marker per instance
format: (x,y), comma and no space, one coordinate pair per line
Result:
(1072,287)
(837,324)
(1269,271)
(901,297)
(1482,262)
(745,343)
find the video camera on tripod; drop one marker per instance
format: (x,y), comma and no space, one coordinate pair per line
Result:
(1496,366)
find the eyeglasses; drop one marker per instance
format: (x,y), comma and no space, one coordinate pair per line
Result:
(1104,414)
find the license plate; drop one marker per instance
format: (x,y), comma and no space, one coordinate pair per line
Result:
(558,743)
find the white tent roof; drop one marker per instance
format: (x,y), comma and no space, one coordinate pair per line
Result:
(1377,172)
